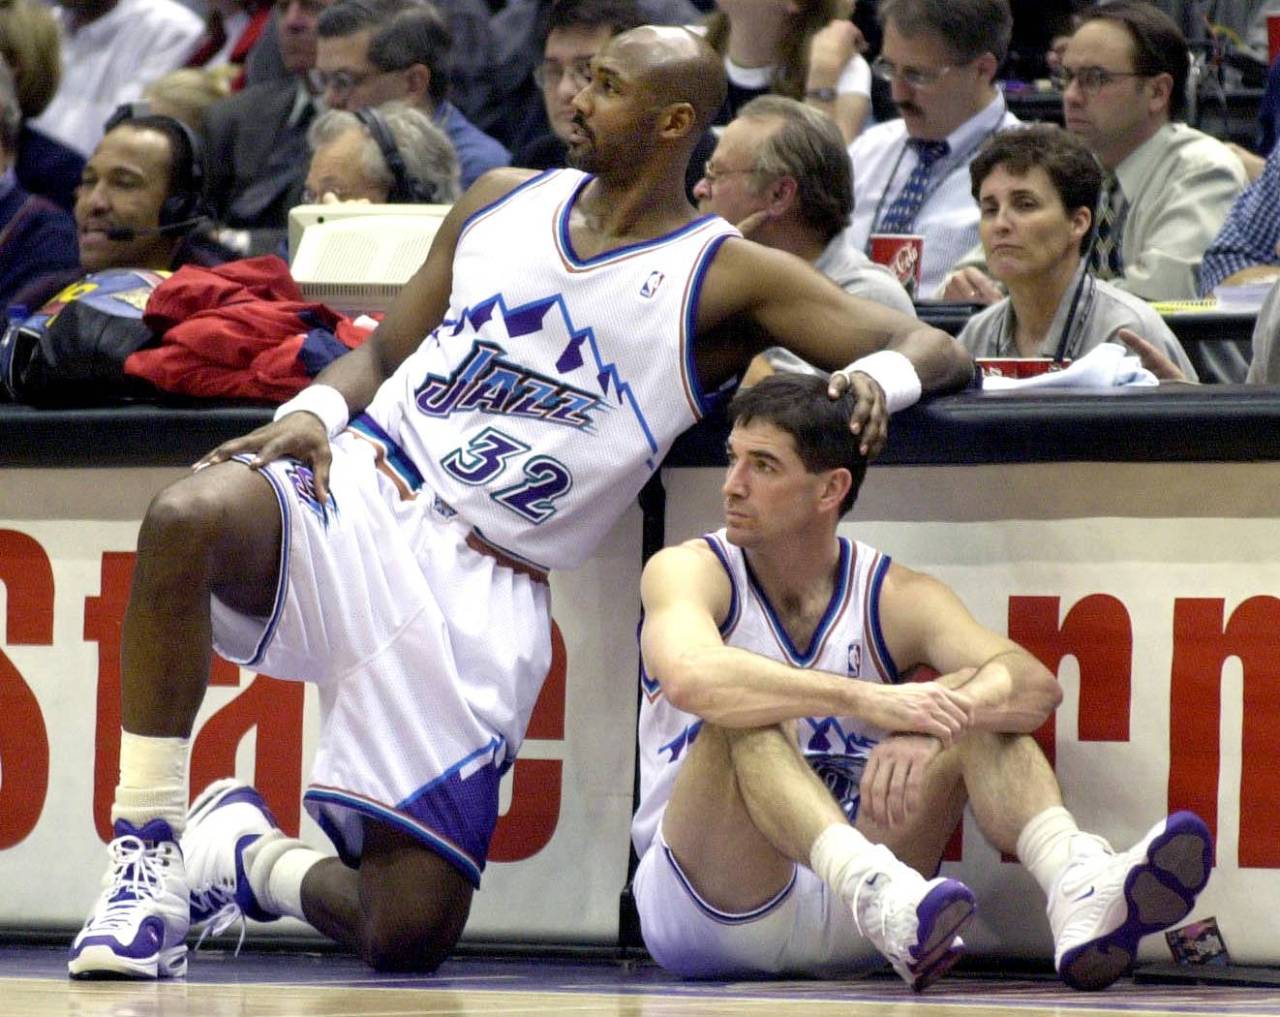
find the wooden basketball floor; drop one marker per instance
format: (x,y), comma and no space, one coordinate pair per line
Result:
(278,984)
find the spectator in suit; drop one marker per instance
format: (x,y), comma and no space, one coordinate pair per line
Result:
(36,236)
(112,49)
(256,157)
(375,51)
(29,45)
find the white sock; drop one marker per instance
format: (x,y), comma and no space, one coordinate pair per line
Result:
(842,857)
(153,781)
(1045,844)
(276,865)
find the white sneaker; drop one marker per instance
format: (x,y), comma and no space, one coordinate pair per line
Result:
(1102,904)
(139,927)
(915,923)
(227,817)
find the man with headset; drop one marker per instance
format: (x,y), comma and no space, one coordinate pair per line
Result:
(388,153)
(138,203)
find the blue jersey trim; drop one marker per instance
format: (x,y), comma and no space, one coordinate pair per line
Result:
(873,613)
(486,209)
(282,575)
(706,403)
(442,846)
(566,245)
(727,917)
(397,458)
(735,606)
(839,595)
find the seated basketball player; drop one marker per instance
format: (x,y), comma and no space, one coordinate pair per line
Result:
(795,799)
(528,380)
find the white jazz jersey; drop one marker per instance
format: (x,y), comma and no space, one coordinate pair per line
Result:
(847,641)
(555,384)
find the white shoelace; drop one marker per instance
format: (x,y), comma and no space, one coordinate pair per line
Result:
(136,873)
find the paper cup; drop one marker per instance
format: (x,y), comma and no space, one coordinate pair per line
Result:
(901,254)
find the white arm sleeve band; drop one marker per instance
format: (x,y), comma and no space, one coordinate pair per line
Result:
(895,375)
(325,401)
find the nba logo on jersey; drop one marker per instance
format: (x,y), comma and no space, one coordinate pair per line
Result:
(855,660)
(651,284)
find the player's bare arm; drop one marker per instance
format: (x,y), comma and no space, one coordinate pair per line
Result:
(355,376)
(799,308)
(686,594)
(926,623)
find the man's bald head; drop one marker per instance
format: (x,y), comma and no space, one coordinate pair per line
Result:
(678,66)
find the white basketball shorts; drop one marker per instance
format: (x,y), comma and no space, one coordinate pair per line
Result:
(427,653)
(804,930)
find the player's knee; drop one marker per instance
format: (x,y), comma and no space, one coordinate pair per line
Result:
(397,941)
(182,518)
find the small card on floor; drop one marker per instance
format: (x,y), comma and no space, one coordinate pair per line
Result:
(1198,943)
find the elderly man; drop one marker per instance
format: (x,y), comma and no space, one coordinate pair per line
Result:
(912,175)
(780,173)
(374,52)
(350,160)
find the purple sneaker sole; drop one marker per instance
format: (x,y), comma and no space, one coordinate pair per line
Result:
(942,914)
(1157,893)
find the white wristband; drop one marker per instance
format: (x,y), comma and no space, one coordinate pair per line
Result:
(325,402)
(895,375)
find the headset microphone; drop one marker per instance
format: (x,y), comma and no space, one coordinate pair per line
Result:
(129,233)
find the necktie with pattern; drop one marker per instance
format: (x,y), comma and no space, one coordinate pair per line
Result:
(1107,262)
(901,215)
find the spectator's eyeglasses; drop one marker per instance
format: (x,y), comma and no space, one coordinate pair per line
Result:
(712,175)
(549,73)
(913,77)
(1090,79)
(344,82)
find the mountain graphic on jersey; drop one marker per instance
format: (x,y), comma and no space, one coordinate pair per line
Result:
(529,362)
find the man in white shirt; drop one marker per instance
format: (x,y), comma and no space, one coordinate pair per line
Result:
(111,50)
(911,175)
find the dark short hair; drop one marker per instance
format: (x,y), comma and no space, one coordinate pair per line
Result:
(416,35)
(404,33)
(616,15)
(1159,47)
(809,148)
(968,28)
(1074,170)
(819,425)
(183,168)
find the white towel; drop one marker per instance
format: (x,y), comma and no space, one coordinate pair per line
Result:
(1107,365)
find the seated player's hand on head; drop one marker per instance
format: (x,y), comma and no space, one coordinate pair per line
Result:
(870,418)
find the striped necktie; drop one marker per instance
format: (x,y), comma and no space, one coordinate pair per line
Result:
(1107,260)
(901,215)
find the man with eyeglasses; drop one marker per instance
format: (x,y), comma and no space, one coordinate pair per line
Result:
(1167,187)
(577,29)
(257,140)
(911,175)
(375,51)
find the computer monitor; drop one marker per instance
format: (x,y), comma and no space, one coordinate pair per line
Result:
(355,257)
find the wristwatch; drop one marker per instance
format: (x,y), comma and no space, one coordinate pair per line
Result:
(821,94)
